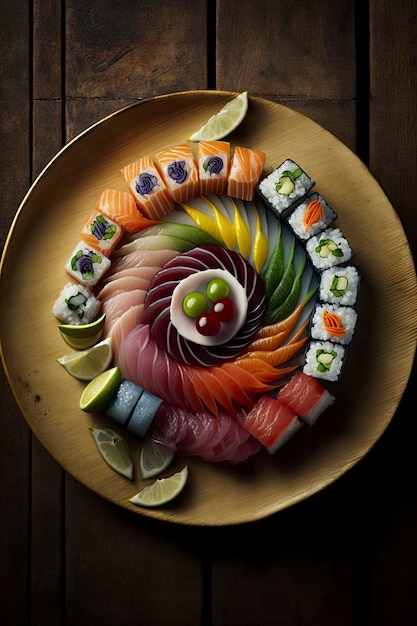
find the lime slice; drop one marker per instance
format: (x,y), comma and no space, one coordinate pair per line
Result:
(100,390)
(154,457)
(83,336)
(87,364)
(114,450)
(163,490)
(225,121)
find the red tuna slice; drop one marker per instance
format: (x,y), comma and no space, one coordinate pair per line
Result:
(272,423)
(156,308)
(169,426)
(306,396)
(236,446)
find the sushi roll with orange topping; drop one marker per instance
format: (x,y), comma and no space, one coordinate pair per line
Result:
(148,188)
(213,166)
(245,170)
(121,207)
(179,171)
(101,233)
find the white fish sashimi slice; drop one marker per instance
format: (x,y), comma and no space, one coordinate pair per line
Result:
(120,303)
(134,272)
(123,326)
(147,243)
(122,284)
(142,258)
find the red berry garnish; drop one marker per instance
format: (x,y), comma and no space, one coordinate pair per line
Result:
(207,324)
(224,309)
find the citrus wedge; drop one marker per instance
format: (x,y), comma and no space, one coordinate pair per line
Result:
(114,449)
(163,490)
(99,391)
(224,121)
(83,336)
(87,364)
(154,457)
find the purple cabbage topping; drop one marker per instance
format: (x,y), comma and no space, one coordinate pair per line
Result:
(102,229)
(213,165)
(145,183)
(83,263)
(177,170)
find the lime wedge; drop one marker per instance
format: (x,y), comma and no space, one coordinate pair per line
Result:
(154,457)
(114,450)
(163,490)
(224,121)
(87,364)
(99,391)
(83,336)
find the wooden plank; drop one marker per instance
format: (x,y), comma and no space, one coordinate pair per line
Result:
(393,155)
(15,439)
(128,50)
(123,570)
(290,55)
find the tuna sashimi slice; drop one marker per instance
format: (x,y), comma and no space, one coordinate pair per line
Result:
(306,396)
(271,422)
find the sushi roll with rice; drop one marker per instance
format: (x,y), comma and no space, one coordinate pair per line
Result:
(324,359)
(285,187)
(86,264)
(328,248)
(340,285)
(331,322)
(101,233)
(76,305)
(311,216)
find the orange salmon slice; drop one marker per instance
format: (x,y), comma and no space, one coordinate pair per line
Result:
(213,166)
(178,168)
(245,170)
(121,207)
(148,188)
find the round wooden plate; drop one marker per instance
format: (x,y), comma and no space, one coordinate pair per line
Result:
(378,362)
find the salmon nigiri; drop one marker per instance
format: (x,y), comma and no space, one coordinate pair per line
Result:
(147,186)
(179,171)
(120,206)
(213,166)
(245,170)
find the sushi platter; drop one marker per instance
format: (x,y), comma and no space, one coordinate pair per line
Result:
(39,256)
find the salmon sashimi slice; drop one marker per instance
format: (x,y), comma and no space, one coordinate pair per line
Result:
(102,233)
(271,422)
(305,395)
(213,166)
(121,207)
(179,171)
(245,170)
(148,188)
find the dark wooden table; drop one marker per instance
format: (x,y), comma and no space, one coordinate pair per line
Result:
(348,555)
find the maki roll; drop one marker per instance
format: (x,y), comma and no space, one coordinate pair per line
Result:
(328,248)
(179,171)
(213,166)
(148,188)
(340,285)
(311,216)
(324,360)
(86,264)
(102,233)
(76,305)
(285,187)
(334,323)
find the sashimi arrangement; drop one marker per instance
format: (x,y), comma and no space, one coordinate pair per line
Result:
(229,299)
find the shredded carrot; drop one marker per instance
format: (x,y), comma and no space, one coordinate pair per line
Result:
(313,214)
(280,355)
(333,324)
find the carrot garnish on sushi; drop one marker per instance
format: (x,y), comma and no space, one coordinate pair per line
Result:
(148,188)
(313,214)
(333,324)
(179,171)
(245,170)
(121,207)
(213,166)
